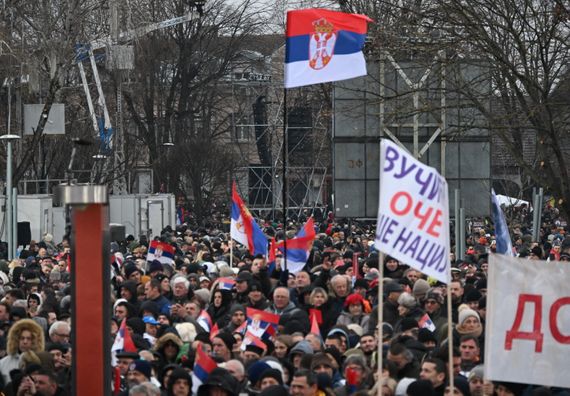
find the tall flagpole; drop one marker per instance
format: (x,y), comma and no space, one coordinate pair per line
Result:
(380,321)
(284,181)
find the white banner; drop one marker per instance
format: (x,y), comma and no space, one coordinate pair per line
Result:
(413,213)
(527,333)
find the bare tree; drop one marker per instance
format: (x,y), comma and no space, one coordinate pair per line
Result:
(183,94)
(521,49)
(42,36)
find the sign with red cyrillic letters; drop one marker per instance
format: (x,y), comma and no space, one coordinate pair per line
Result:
(527,332)
(413,212)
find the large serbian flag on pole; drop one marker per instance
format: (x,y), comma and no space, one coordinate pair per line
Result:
(324,46)
(244,229)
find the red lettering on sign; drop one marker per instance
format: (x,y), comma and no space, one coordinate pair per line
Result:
(534,335)
(553,319)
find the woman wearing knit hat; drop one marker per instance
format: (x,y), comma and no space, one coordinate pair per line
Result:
(353,312)
(469,323)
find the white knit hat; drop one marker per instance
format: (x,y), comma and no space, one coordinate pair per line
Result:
(466,313)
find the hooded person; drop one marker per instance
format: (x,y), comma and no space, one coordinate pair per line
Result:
(392,268)
(168,346)
(128,291)
(219,307)
(25,335)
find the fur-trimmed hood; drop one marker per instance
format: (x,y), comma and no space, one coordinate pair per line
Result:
(38,342)
(161,342)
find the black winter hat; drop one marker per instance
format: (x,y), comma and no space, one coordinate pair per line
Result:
(137,325)
(175,375)
(227,338)
(422,388)
(272,373)
(220,378)
(274,390)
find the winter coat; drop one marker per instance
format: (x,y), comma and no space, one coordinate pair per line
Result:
(11,360)
(346,318)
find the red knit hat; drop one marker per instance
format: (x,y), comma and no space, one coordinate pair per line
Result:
(354,298)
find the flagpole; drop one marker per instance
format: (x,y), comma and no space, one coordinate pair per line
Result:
(380,319)
(450,336)
(284,181)
(231,252)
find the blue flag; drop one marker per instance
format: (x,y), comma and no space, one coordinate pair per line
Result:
(504,245)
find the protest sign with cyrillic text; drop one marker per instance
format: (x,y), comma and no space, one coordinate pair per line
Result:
(528,321)
(413,213)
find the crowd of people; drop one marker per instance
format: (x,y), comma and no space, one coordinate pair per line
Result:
(163,306)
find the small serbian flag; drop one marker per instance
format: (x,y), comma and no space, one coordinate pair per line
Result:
(204,320)
(323,46)
(299,248)
(426,323)
(226,283)
(242,328)
(203,366)
(123,342)
(215,331)
(259,322)
(161,251)
(250,339)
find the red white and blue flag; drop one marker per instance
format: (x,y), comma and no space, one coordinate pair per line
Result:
(204,320)
(272,257)
(226,283)
(244,229)
(323,46)
(426,323)
(250,339)
(123,342)
(203,366)
(299,248)
(260,322)
(242,328)
(161,251)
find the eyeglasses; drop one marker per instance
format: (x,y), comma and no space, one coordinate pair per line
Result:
(62,335)
(431,302)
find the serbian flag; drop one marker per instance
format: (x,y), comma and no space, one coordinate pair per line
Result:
(215,331)
(260,322)
(123,342)
(242,328)
(226,283)
(271,260)
(323,46)
(203,366)
(426,323)
(162,252)
(250,339)
(243,227)
(299,248)
(204,320)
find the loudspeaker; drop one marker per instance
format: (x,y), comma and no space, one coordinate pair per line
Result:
(117,232)
(24,233)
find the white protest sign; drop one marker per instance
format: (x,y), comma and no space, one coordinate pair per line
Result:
(527,332)
(413,213)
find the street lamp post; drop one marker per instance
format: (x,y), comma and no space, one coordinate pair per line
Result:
(10,232)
